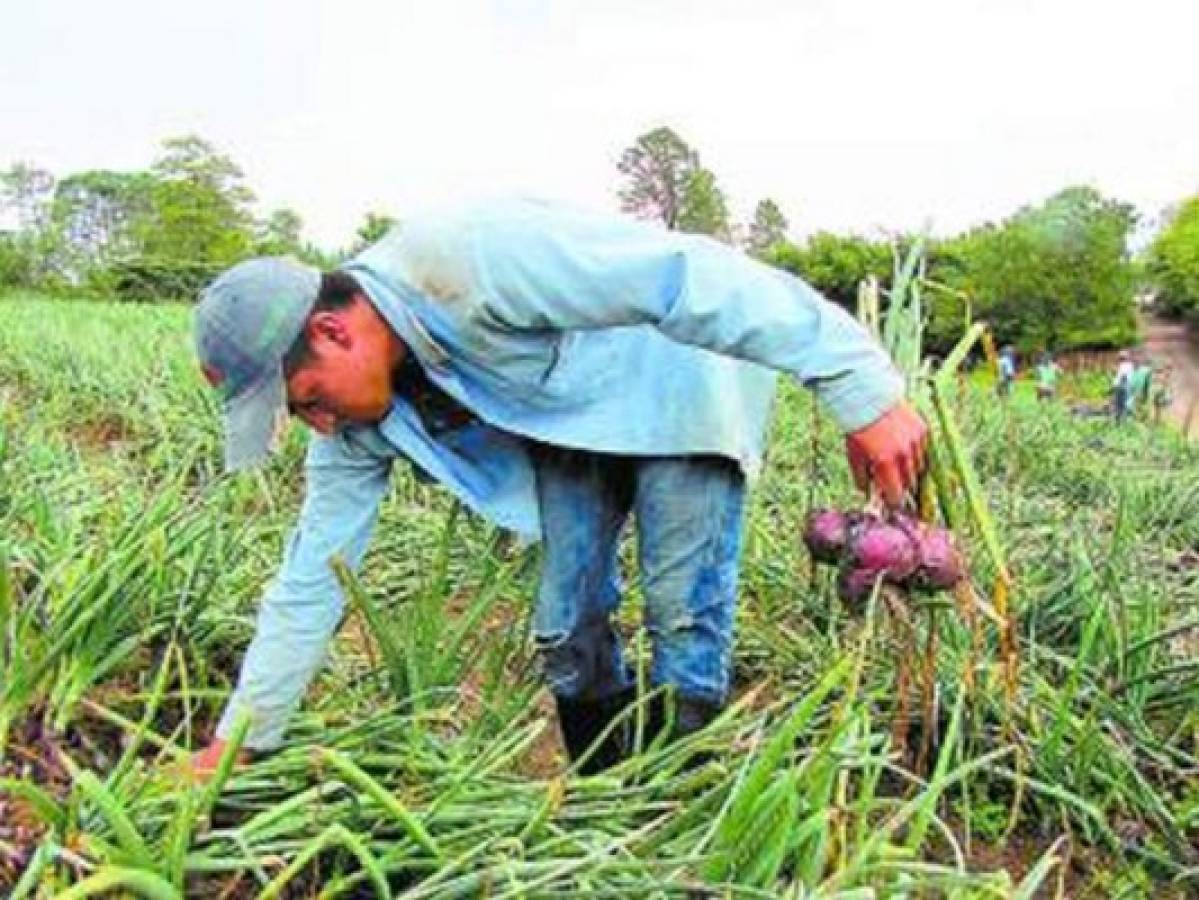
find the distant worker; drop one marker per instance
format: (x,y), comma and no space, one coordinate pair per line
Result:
(1161,394)
(1007,370)
(1122,386)
(1139,384)
(1047,374)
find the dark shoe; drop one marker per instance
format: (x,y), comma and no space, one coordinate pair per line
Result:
(584,721)
(694,715)
(678,717)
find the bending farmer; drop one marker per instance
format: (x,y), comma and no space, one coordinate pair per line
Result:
(558,372)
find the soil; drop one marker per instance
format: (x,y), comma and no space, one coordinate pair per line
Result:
(1173,344)
(102,435)
(32,756)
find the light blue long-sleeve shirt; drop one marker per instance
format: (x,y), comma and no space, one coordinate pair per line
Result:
(578,329)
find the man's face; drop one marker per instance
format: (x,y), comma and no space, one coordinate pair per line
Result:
(346,379)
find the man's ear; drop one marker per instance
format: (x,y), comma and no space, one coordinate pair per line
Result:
(328,327)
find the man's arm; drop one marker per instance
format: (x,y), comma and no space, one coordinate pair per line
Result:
(302,607)
(545,267)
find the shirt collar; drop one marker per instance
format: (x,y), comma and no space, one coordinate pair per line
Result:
(395,301)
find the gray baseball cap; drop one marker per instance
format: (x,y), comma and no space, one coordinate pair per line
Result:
(245,323)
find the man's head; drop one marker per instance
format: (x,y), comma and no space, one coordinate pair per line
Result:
(339,368)
(277,336)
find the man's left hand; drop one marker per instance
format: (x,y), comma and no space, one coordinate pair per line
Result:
(889,452)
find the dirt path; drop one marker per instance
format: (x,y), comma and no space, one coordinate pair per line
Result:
(1172,344)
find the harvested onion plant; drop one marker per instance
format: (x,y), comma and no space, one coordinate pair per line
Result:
(424,762)
(905,558)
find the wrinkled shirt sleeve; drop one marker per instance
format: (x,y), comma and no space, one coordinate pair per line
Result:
(302,607)
(545,267)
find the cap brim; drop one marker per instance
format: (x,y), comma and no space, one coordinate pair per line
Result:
(252,422)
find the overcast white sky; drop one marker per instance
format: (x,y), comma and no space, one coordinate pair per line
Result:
(852,114)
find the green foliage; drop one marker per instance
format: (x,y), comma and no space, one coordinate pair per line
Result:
(279,234)
(768,228)
(318,256)
(142,235)
(372,229)
(657,169)
(97,215)
(193,160)
(200,207)
(97,209)
(833,264)
(704,209)
(665,182)
(131,570)
(26,254)
(1173,261)
(988,818)
(18,261)
(1055,276)
(26,192)
(144,279)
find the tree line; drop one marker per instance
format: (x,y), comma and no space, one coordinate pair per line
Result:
(161,233)
(1172,261)
(1054,275)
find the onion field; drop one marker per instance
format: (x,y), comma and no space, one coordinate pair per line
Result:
(889,750)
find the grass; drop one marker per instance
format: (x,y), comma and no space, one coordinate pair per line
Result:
(130,569)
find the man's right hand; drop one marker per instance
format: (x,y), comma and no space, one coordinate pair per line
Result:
(204,762)
(889,453)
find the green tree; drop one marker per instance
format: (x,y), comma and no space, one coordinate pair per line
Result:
(192,160)
(17,261)
(657,170)
(372,229)
(26,194)
(315,255)
(97,215)
(200,222)
(704,209)
(152,234)
(201,206)
(833,264)
(769,227)
(279,234)
(98,209)
(1052,276)
(1172,260)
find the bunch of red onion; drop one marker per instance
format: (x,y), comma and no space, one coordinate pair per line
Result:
(898,549)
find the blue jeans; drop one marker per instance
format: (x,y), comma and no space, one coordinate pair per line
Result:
(1122,401)
(688,512)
